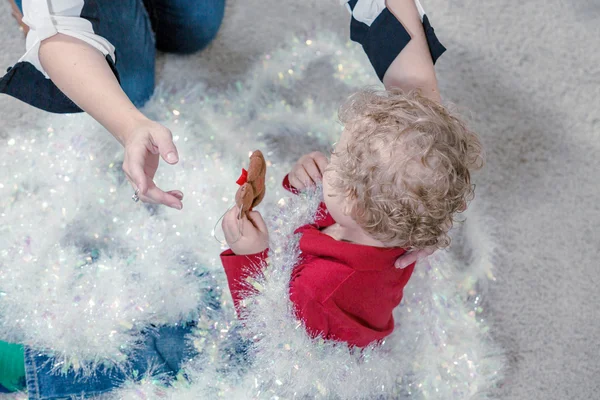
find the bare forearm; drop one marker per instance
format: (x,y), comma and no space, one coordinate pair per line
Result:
(82,74)
(413,67)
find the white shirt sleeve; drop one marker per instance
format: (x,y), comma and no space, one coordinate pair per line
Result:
(366,11)
(46,18)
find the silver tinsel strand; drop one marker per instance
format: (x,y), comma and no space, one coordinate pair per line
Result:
(83,269)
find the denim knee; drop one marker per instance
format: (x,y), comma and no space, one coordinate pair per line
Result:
(138,87)
(188,26)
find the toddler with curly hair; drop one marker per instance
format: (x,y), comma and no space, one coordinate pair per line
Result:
(397,177)
(401,169)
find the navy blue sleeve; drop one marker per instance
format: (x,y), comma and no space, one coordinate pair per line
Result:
(386,37)
(26,83)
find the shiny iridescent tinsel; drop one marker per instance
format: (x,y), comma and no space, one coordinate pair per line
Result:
(440,348)
(83,269)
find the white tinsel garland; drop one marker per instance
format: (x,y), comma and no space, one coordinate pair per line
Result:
(83,269)
(440,348)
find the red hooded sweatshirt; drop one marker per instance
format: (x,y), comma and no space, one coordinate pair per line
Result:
(341,290)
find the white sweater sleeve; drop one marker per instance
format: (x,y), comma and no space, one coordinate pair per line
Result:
(366,11)
(47,18)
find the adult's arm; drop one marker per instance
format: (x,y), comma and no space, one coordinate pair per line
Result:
(64,48)
(399,41)
(413,67)
(82,73)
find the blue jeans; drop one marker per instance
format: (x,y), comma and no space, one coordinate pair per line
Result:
(138,27)
(164,350)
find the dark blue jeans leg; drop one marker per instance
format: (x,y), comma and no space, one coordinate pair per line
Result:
(126,25)
(164,351)
(186,26)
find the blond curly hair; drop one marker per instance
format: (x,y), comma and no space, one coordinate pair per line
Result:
(406,167)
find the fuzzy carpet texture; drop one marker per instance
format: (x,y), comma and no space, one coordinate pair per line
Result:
(528,76)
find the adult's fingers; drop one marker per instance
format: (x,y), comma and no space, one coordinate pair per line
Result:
(413,257)
(157,196)
(176,193)
(163,139)
(406,260)
(134,168)
(258,221)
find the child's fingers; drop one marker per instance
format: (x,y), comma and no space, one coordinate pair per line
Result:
(321,161)
(295,183)
(258,221)
(226,224)
(299,178)
(304,176)
(230,224)
(312,170)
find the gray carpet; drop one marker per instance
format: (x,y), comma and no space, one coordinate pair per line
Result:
(529,75)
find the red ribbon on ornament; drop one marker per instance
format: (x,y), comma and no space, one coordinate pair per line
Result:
(243,177)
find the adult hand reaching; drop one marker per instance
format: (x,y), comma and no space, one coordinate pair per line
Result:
(413,256)
(82,73)
(144,146)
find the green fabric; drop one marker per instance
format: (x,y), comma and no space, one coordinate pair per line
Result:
(12,366)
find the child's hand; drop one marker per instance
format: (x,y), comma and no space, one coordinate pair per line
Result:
(246,235)
(308,170)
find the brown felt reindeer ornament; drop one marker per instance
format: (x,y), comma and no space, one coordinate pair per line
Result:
(252,184)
